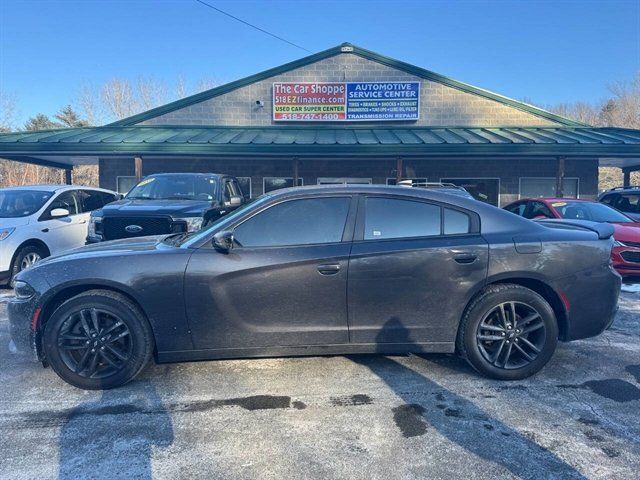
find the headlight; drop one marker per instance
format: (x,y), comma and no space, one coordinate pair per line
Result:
(5,232)
(617,243)
(95,223)
(193,223)
(23,290)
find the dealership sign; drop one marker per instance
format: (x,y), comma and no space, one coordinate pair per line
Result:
(346,101)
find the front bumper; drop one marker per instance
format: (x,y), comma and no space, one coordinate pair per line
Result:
(626,260)
(93,239)
(23,326)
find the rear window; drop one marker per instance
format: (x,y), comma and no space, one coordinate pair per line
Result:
(387,218)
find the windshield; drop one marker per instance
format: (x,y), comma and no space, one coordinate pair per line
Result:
(222,222)
(175,187)
(596,212)
(21,203)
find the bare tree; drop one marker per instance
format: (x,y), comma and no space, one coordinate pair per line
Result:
(118,98)
(7,112)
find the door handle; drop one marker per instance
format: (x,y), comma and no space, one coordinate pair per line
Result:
(331,269)
(465,258)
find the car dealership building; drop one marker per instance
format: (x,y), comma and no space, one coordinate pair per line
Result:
(346,115)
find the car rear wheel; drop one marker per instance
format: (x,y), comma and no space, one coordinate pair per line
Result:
(98,340)
(508,332)
(26,258)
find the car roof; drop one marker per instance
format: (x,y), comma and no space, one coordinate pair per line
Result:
(557,199)
(189,173)
(425,193)
(53,188)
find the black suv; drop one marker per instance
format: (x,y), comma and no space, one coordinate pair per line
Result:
(625,199)
(166,203)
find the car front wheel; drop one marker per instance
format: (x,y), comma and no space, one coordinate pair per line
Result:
(26,258)
(98,340)
(508,332)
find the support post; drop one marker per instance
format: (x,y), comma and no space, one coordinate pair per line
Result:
(560,178)
(137,166)
(296,171)
(67,176)
(626,175)
(398,170)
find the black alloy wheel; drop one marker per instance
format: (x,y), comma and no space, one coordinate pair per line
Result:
(508,332)
(94,343)
(511,335)
(98,339)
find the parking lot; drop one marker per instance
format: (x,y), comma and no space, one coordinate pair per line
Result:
(333,417)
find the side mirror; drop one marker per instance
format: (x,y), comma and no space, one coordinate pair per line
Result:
(59,213)
(234,201)
(223,241)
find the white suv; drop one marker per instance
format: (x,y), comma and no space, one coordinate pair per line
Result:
(41,220)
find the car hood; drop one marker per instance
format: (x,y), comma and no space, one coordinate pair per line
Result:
(103,249)
(628,231)
(13,222)
(175,208)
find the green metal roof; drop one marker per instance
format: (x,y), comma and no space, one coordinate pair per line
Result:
(323,141)
(345,48)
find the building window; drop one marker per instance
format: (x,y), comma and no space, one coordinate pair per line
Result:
(343,181)
(245,186)
(269,184)
(486,190)
(124,184)
(414,181)
(536,187)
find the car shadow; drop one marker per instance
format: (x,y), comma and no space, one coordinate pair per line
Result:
(460,420)
(100,439)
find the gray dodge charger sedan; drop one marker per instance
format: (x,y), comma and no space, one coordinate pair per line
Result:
(323,270)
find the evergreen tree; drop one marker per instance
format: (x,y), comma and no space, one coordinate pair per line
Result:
(68,117)
(40,122)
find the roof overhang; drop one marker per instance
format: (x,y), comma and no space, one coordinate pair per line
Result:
(69,147)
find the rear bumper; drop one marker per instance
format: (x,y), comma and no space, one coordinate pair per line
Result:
(591,301)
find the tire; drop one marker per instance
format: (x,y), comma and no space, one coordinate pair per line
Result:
(26,257)
(494,344)
(98,358)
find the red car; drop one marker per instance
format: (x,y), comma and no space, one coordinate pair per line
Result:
(626,251)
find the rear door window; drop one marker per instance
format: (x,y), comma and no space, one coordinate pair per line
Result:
(91,200)
(456,222)
(394,218)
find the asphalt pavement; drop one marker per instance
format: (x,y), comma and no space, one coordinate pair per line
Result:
(361,417)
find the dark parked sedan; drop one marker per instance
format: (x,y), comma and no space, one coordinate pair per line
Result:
(323,270)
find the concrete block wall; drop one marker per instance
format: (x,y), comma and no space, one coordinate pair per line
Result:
(509,171)
(440,105)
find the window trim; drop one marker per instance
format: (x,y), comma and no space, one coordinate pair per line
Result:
(474,219)
(480,178)
(300,179)
(520,197)
(347,229)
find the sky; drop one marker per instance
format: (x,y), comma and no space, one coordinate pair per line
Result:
(546,52)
